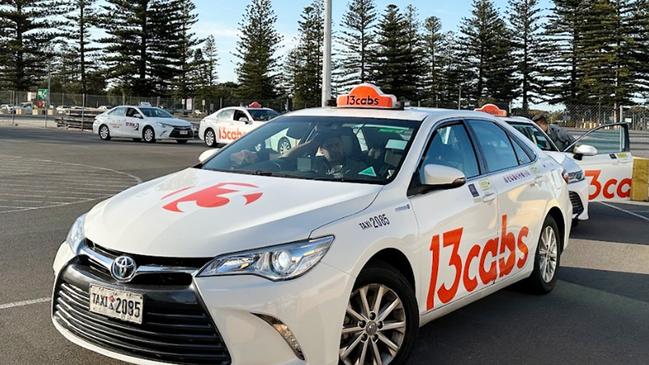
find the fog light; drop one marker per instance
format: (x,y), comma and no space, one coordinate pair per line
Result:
(286,334)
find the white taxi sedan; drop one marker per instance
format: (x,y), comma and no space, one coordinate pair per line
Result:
(231,123)
(379,221)
(141,123)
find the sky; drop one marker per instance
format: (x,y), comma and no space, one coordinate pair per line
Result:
(220,18)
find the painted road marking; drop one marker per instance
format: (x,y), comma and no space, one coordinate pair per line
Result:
(24,303)
(626,211)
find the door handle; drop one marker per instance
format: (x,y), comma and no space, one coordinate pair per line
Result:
(489,197)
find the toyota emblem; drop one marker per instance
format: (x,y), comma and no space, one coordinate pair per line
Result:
(123,269)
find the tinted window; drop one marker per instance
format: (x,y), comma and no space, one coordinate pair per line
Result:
(522,154)
(155,113)
(132,113)
(452,147)
(262,114)
(494,144)
(238,114)
(535,135)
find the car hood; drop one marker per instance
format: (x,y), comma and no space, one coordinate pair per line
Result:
(565,160)
(172,121)
(201,213)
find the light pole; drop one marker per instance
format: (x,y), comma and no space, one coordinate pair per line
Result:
(326,59)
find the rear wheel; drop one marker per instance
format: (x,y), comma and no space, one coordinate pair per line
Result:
(104,132)
(381,320)
(210,138)
(283,146)
(148,135)
(546,259)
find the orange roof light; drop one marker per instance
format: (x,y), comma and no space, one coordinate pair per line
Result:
(493,110)
(254,104)
(367,96)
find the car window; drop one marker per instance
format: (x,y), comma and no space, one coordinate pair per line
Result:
(132,112)
(522,154)
(494,144)
(155,113)
(118,112)
(238,114)
(609,139)
(321,148)
(535,135)
(452,147)
(227,114)
(262,114)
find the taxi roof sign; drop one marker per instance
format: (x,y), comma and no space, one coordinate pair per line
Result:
(492,109)
(367,96)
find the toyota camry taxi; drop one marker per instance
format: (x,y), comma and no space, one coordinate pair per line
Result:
(379,221)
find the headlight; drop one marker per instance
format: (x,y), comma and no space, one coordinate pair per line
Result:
(281,262)
(575,176)
(164,125)
(77,233)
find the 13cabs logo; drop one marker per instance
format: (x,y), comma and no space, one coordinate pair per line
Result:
(212,196)
(486,254)
(610,188)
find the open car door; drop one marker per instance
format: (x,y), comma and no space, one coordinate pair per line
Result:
(610,169)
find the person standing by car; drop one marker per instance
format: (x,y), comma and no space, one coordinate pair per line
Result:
(559,136)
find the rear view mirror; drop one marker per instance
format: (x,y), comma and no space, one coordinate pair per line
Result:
(585,150)
(445,177)
(207,155)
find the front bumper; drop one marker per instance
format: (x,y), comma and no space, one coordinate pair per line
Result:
(579,199)
(312,307)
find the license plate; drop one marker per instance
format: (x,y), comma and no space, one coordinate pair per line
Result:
(120,304)
(184,132)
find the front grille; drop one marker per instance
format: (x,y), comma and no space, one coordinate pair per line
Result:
(175,326)
(175,133)
(577,207)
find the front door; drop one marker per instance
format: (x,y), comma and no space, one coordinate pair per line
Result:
(610,170)
(132,123)
(455,225)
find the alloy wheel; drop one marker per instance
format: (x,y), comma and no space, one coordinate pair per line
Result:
(548,253)
(209,138)
(103,132)
(374,327)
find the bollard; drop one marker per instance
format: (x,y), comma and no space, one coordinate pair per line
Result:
(640,179)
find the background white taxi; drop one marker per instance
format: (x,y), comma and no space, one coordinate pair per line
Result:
(141,122)
(379,221)
(229,124)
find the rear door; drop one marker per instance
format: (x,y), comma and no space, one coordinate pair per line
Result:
(455,225)
(610,170)
(116,119)
(522,193)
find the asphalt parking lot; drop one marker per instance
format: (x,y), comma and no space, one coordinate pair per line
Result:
(599,312)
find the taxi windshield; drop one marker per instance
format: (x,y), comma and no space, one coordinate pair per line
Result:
(155,113)
(350,149)
(262,114)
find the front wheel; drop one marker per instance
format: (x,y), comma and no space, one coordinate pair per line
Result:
(210,138)
(149,135)
(546,259)
(104,133)
(381,320)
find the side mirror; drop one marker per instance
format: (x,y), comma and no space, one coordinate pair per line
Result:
(584,150)
(244,119)
(207,155)
(444,177)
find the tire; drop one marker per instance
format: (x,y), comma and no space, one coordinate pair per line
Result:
(210,138)
(575,222)
(544,278)
(362,330)
(181,141)
(104,132)
(148,135)
(283,146)
(137,139)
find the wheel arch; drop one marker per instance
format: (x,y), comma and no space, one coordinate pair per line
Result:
(395,258)
(558,217)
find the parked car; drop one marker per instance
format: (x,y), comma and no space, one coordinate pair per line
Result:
(141,122)
(380,221)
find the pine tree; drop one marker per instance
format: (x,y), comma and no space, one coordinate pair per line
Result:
(529,49)
(211,60)
(257,71)
(433,40)
(183,42)
(357,40)
(486,51)
(27,30)
(127,45)
(388,68)
(413,61)
(81,18)
(453,75)
(640,45)
(306,59)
